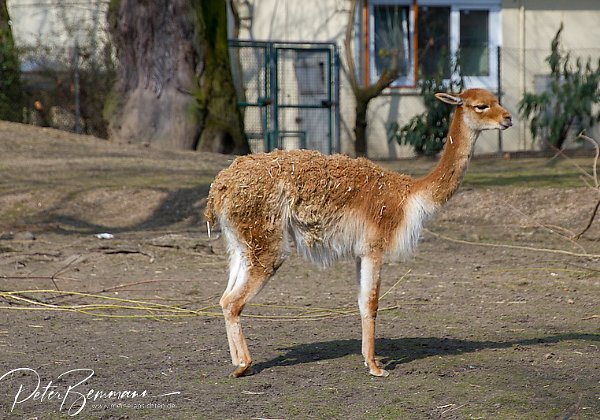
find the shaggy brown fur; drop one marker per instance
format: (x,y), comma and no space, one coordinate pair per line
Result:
(317,189)
(333,207)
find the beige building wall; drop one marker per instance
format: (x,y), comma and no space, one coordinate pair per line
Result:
(528,29)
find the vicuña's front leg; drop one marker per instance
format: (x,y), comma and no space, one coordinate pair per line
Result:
(368,301)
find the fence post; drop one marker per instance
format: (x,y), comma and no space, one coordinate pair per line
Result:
(499,72)
(336,82)
(76,88)
(274,88)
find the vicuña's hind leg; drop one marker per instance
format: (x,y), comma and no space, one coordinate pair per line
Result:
(237,270)
(248,283)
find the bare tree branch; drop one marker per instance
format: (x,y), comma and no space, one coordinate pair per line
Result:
(593,176)
(592,217)
(348,48)
(364,94)
(596,155)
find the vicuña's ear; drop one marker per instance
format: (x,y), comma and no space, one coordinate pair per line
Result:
(449,99)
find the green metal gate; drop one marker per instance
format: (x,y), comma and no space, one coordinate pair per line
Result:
(289,93)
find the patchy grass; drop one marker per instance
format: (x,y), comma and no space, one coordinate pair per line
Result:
(536,173)
(497,172)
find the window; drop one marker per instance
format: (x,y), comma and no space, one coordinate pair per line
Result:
(474,44)
(439,31)
(391,37)
(433,25)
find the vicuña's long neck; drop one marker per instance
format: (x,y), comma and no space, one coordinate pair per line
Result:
(445,178)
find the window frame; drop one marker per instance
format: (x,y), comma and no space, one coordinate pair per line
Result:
(493,7)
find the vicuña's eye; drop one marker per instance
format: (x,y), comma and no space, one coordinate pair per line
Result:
(481,107)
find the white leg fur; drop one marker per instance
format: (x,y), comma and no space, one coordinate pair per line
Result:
(232,320)
(238,272)
(248,283)
(365,283)
(368,302)
(237,278)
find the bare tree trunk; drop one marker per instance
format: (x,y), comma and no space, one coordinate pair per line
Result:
(174,87)
(364,94)
(223,129)
(360,124)
(11,92)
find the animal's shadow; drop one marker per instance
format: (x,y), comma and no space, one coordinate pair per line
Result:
(394,352)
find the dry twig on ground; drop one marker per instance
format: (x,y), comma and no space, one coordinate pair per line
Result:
(587,178)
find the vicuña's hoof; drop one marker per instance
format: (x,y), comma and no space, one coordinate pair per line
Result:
(375,369)
(241,371)
(379,372)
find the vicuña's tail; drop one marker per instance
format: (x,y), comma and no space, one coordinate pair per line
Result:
(209,212)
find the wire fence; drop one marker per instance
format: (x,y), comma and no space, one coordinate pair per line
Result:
(289,92)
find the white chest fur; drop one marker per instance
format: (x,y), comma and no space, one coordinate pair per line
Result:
(419,208)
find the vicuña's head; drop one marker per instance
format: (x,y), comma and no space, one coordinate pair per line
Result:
(481,110)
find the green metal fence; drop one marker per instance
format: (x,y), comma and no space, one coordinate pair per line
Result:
(289,93)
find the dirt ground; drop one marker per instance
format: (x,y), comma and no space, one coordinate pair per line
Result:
(129,327)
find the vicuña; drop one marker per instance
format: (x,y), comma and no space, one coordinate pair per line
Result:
(334,207)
